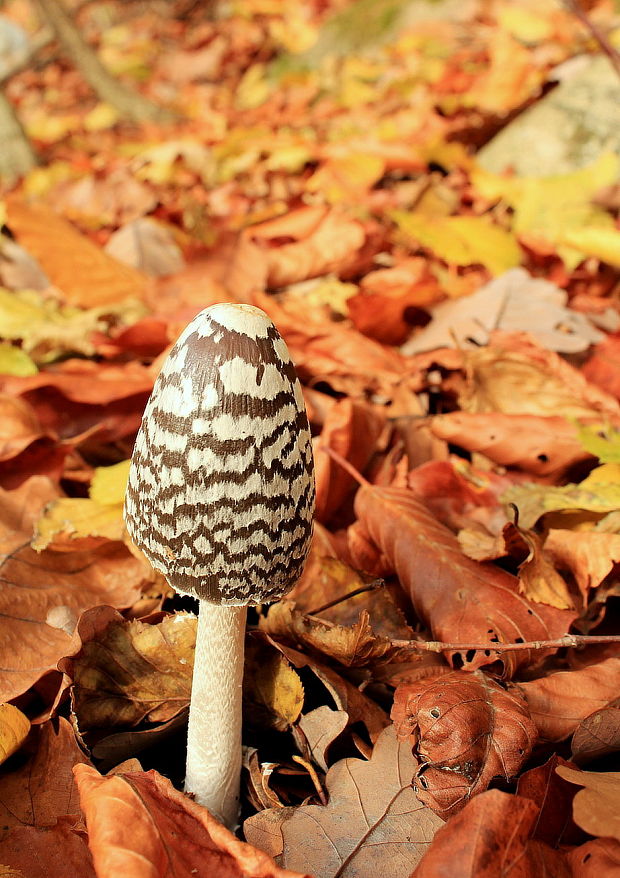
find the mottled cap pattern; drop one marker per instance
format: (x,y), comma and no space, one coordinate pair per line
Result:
(221,488)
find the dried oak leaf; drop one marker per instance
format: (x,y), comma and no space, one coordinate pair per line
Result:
(373,823)
(459,599)
(139,825)
(127,672)
(492,838)
(558,702)
(514,375)
(598,734)
(84,273)
(470,731)
(546,446)
(596,808)
(40,588)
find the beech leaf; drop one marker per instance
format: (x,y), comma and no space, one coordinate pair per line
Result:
(373,824)
(469,731)
(14,727)
(139,825)
(460,599)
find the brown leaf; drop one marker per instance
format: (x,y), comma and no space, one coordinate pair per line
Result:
(372,825)
(125,673)
(114,199)
(513,375)
(459,599)
(351,428)
(558,702)
(554,796)
(39,587)
(596,808)
(139,825)
(603,367)
(84,273)
(596,859)
(492,838)
(47,852)
(589,556)
(546,446)
(42,788)
(351,645)
(597,735)
(470,731)
(19,426)
(538,578)
(320,728)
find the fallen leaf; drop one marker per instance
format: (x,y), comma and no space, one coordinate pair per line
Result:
(372,824)
(597,735)
(37,586)
(111,200)
(490,837)
(136,819)
(148,246)
(19,426)
(41,788)
(596,808)
(603,367)
(513,302)
(589,556)
(596,858)
(554,796)
(125,673)
(545,446)
(459,599)
(320,728)
(538,578)
(86,275)
(468,730)
(47,852)
(14,728)
(559,701)
(272,690)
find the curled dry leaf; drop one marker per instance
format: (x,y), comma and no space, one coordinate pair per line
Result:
(351,645)
(135,824)
(588,555)
(320,728)
(459,599)
(39,587)
(491,837)
(373,823)
(470,730)
(538,578)
(513,375)
(351,428)
(597,735)
(125,672)
(14,728)
(596,808)
(545,446)
(558,702)
(272,690)
(19,426)
(84,273)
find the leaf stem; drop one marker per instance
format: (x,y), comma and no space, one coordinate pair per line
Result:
(574,640)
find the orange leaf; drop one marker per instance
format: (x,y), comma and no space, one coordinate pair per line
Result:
(139,825)
(85,274)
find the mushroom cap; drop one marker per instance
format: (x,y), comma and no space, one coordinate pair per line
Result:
(220,495)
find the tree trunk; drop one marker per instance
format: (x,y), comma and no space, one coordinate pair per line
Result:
(17,156)
(129,104)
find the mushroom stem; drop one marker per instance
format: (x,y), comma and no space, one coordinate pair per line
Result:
(214,735)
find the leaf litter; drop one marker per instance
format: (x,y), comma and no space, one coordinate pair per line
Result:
(454,323)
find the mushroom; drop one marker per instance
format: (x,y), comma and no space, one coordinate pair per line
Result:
(220,499)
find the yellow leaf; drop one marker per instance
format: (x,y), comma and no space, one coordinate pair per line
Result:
(603,242)
(272,686)
(346,176)
(607,474)
(72,518)
(101,117)
(253,89)
(509,79)
(463,240)
(14,361)
(14,728)
(525,24)
(40,180)
(109,484)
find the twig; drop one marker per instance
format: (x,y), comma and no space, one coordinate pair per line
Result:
(39,41)
(610,50)
(575,640)
(371,586)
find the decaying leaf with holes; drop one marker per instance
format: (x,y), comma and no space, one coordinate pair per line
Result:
(470,731)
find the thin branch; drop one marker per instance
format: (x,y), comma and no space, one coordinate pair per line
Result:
(575,640)
(371,586)
(607,47)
